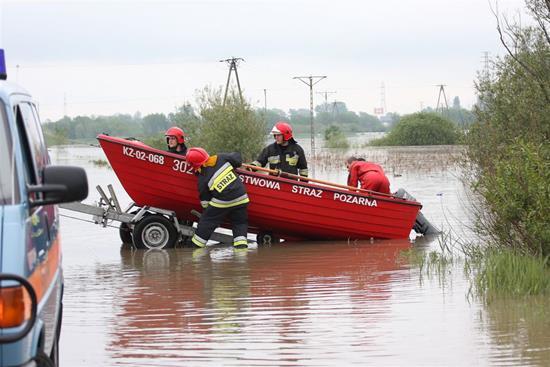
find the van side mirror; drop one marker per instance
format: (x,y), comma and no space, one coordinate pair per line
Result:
(61,184)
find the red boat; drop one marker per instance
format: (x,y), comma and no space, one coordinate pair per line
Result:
(283,207)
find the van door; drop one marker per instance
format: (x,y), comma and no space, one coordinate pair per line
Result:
(43,248)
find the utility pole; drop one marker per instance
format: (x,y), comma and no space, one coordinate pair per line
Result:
(442,92)
(232,62)
(310,81)
(265,106)
(486,64)
(326,93)
(64,104)
(383,98)
(485,76)
(335,110)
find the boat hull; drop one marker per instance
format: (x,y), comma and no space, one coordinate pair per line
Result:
(285,207)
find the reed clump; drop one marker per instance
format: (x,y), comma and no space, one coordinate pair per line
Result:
(510,273)
(493,272)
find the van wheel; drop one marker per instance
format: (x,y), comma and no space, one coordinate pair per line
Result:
(266,238)
(42,360)
(155,231)
(54,354)
(125,233)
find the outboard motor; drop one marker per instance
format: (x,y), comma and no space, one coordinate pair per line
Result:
(421,225)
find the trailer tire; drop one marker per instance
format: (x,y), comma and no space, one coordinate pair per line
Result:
(125,233)
(266,238)
(155,231)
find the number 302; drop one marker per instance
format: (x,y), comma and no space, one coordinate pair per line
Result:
(182,166)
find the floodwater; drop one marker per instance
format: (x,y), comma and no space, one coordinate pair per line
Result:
(294,304)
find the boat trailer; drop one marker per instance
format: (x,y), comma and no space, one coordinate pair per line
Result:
(145,227)
(148,227)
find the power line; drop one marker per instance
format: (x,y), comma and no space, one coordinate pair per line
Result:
(309,81)
(326,93)
(232,62)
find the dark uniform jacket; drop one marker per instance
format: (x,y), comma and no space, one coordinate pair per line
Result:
(290,158)
(183,150)
(219,184)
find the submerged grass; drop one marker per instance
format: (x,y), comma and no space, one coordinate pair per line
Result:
(510,273)
(494,273)
(435,262)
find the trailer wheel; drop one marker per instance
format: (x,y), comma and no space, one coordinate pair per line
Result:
(125,233)
(266,238)
(155,231)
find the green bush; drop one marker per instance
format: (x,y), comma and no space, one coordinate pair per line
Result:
(234,127)
(517,196)
(55,138)
(335,138)
(508,146)
(421,128)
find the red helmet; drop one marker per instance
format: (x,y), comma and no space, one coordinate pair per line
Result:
(177,132)
(196,157)
(283,128)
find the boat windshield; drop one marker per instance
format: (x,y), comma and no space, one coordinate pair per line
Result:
(8,194)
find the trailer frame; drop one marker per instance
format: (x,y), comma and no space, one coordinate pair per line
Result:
(108,210)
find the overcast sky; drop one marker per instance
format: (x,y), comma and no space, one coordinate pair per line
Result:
(105,57)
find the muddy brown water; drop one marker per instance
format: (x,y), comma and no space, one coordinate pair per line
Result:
(294,304)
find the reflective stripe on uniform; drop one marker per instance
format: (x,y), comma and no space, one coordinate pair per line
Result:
(274,159)
(204,203)
(292,161)
(217,173)
(198,241)
(303,172)
(240,240)
(229,203)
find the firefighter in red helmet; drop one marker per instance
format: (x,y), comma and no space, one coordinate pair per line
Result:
(222,194)
(284,154)
(175,139)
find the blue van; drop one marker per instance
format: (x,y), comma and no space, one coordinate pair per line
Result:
(31,277)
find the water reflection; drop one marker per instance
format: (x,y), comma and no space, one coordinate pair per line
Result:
(298,304)
(280,303)
(519,330)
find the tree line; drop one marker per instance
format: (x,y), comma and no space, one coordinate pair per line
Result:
(86,128)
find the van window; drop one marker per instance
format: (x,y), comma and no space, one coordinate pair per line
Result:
(35,148)
(9,192)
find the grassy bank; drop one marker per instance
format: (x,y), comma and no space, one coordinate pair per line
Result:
(493,273)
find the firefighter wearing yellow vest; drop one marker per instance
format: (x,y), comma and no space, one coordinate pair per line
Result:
(284,154)
(222,194)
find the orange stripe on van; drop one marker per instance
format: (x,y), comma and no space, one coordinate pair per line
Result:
(44,273)
(15,302)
